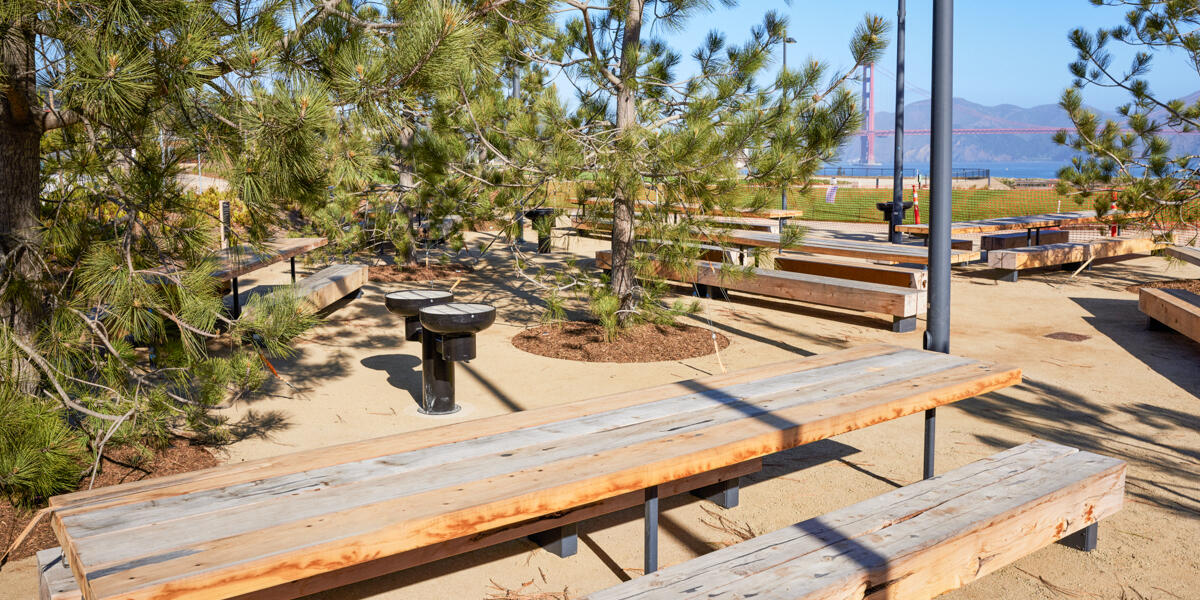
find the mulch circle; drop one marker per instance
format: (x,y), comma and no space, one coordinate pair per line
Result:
(585,341)
(120,466)
(1191,285)
(401,273)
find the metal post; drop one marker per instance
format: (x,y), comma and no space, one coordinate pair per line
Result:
(237,302)
(786,40)
(898,156)
(651,534)
(293,270)
(937,333)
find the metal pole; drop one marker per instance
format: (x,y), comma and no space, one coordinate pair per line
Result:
(898,156)
(783,202)
(937,332)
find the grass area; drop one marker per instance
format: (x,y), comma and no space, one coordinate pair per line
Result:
(857,205)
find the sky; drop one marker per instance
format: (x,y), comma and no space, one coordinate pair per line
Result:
(1006,51)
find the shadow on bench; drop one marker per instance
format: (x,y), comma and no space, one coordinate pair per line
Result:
(915,542)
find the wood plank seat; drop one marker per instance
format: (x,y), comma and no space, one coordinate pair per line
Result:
(901,303)
(309,521)
(1021,239)
(1069,255)
(857,271)
(1171,308)
(912,543)
(1187,254)
(318,291)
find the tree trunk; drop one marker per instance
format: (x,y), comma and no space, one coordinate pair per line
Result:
(20,190)
(407,183)
(624,231)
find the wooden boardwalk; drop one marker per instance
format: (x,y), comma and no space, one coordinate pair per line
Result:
(268,523)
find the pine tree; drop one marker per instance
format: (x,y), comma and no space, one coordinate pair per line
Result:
(639,130)
(102,252)
(1133,163)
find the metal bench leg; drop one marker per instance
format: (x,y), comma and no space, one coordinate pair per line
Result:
(1010,276)
(237,302)
(1084,539)
(1153,324)
(930,441)
(650,564)
(293,259)
(904,324)
(723,494)
(560,541)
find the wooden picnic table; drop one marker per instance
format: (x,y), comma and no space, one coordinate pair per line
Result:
(1032,224)
(883,251)
(391,502)
(235,261)
(780,216)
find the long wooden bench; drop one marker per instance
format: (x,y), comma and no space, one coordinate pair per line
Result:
(912,543)
(901,303)
(857,271)
(1070,255)
(313,520)
(317,291)
(1171,308)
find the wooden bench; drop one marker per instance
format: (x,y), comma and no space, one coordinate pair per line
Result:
(817,265)
(912,543)
(1171,308)
(313,520)
(1187,254)
(857,271)
(1069,256)
(1021,239)
(319,290)
(901,303)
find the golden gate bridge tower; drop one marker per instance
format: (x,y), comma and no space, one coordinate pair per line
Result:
(868,106)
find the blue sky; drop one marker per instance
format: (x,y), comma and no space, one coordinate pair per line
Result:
(1006,51)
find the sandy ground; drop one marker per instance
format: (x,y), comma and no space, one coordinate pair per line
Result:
(1123,391)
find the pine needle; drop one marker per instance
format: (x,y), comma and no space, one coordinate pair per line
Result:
(24,534)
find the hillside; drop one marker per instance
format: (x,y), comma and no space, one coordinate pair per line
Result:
(986,148)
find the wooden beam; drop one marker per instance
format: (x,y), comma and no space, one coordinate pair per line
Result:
(331,284)
(1177,309)
(913,543)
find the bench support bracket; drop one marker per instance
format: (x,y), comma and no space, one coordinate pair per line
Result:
(650,563)
(1010,276)
(561,541)
(723,494)
(904,324)
(1084,539)
(1153,324)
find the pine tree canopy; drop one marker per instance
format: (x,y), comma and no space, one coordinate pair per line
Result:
(1131,162)
(302,107)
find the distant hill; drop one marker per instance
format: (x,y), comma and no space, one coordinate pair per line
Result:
(986,148)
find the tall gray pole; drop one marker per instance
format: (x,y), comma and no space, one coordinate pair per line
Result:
(937,332)
(898,156)
(786,40)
